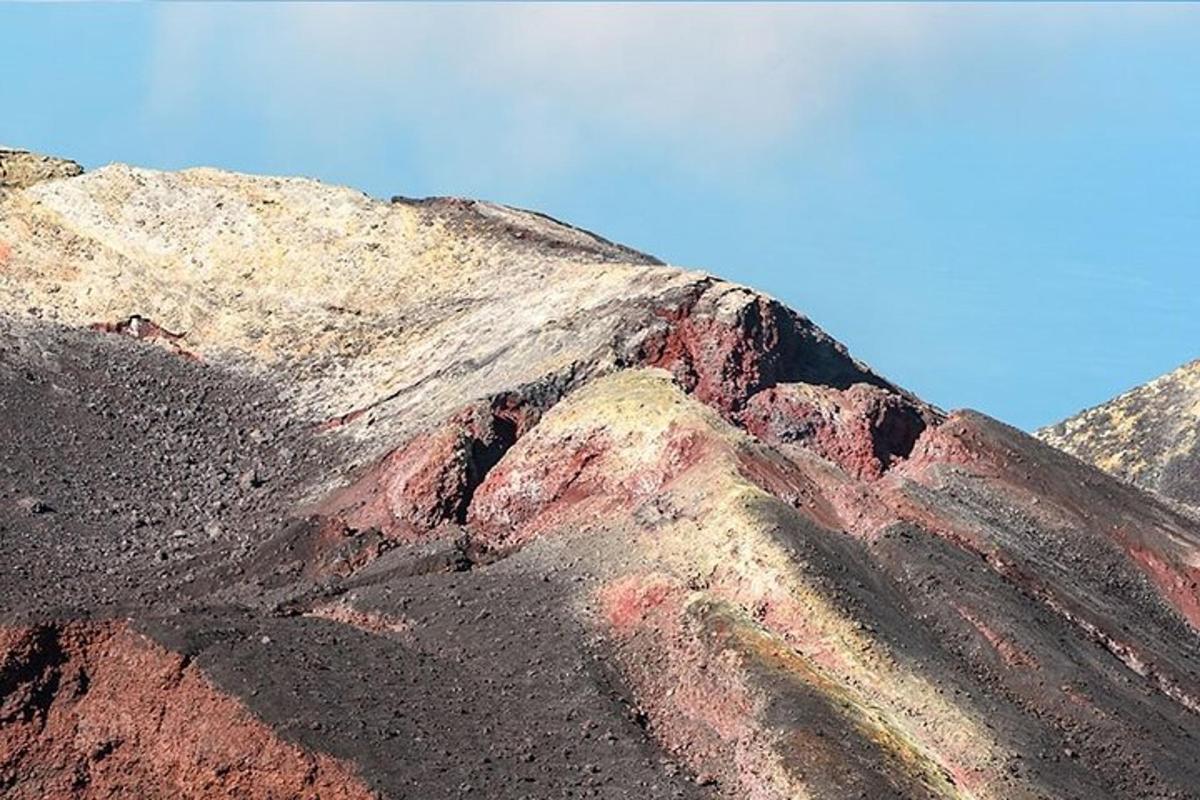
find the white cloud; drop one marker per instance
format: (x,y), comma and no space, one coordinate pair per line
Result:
(541,82)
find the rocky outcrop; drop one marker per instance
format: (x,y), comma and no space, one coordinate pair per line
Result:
(20,169)
(441,498)
(1147,436)
(863,429)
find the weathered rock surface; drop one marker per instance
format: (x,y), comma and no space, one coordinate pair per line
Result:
(20,169)
(1150,435)
(335,497)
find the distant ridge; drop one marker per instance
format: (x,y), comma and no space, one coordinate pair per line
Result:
(1149,435)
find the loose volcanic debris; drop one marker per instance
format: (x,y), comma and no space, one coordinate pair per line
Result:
(455,500)
(96,710)
(122,471)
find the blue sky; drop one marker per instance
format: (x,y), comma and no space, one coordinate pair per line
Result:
(996,206)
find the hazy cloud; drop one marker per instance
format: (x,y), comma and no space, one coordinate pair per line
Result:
(539,83)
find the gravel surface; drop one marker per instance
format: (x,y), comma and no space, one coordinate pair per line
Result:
(138,483)
(127,472)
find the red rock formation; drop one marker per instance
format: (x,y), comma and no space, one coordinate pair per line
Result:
(863,429)
(94,710)
(726,344)
(418,488)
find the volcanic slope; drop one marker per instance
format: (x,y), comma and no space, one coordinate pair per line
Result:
(1148,436)
(304,494)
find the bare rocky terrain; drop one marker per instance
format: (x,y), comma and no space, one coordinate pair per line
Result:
(1147,436)
(306,494)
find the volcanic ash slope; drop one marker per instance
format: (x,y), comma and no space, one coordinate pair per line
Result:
(304,494)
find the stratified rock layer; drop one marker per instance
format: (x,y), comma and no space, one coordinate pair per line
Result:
(443,499)
(1149,435)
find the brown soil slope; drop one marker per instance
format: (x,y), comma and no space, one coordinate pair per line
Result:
(1148,436)
(304,494)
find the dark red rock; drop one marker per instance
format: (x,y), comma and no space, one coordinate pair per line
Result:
(727,344)
(94,710)
(863,429)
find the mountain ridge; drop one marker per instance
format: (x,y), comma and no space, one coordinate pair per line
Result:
(435,499)
(1146,435)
